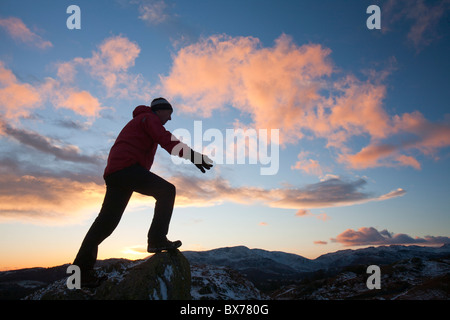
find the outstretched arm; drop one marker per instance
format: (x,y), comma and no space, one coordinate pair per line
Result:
(174,146)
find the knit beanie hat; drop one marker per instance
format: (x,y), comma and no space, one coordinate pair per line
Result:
(160,104)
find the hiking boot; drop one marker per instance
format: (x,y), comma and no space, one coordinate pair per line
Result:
(158,246)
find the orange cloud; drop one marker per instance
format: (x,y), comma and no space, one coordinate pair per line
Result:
(277,86)
(369,156)
(307,213)
(115,53)
(110,64)
(310,166)
(19,31)
(81,102)
(19,99)
(288,87)
(429,136)
(47,200)
(359,110)
(16,99)
(409,132)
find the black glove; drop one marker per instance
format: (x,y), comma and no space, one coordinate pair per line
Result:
(201,161)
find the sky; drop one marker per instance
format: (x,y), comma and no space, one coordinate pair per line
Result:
(328,123)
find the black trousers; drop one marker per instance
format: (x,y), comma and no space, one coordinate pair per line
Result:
(119,188)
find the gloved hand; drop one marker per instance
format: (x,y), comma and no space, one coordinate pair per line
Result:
(201,161)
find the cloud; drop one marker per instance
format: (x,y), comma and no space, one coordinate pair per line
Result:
(307,213)
(320,242)
(16,99)
(192,191)
(110,65)
(303,213)
(371,236)
(292,88)
(47,200)
(410,132)
(223,70)
(423,16)
(333,192)
(20,32)
(33,192)
(20,99)
(45,144)
(357,108)
(152,11)
(81,102)
(310,166)
(399,192)
(30,193)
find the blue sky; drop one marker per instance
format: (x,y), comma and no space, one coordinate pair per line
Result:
(364,127)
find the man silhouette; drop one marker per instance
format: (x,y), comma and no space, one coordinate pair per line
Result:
(127,171)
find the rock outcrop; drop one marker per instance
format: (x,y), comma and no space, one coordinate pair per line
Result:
(163,276)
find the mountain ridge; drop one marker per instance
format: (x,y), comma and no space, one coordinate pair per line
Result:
(380,254)
(280,275)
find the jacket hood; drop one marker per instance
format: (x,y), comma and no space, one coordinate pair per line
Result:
(141,109)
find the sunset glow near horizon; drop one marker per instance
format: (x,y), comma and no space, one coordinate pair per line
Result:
(355,122)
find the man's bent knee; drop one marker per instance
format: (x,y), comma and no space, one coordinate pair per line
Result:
(170,190)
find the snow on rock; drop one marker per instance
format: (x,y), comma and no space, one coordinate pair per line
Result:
(221,283)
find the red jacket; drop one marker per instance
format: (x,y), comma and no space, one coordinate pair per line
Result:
(138,141)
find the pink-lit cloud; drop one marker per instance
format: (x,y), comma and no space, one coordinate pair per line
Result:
(411,132)
(308,165)
(110,65)
(16,98)
(308,213)
(17,29)
(371,236)
(277,86)
(291,88)
(81,102)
